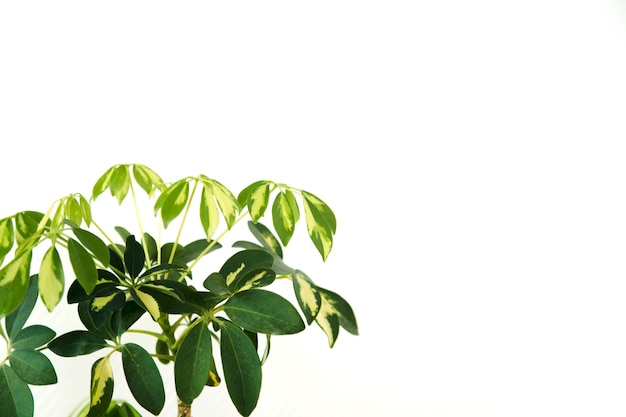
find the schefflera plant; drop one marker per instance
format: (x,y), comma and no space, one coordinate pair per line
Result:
(122,276)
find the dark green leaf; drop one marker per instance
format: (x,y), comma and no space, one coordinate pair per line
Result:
(253,279)
(162,348)
(152,247)
(76,343)
(195,249)
(32,367)
(14,283)
(131,312)
(245,262)
(51,278)
(166,252)
(241,366)
(266,238)
(143,378)
(263,312)
(340,306)
(83,265)
(307,295)
(216,283)
(94,244)
(193,363)
(33,337)
(134,257)
(283,218)
(16,320)
(116,261)
(101,387)
(162,269)
(16,400)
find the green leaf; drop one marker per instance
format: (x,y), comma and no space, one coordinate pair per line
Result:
(14,283)
(85,208)
(263,311)
(342,309)
(241,366)
(161,348)
(7,237)
(102,183)
(143,378)
(77,343)
(51,279)
(172,201)
(209,216)
(27,225)
(307,295)
(32,337)
(320,222)
(194,249)
(243,263)
(120,183)
(266,238)
(16,320)
(101,387)
(334,312)
(244,196)
(32,367)
(93,244)
(226,201)
(147,302)
(283,218)
(83,265)
(134,257)
(73,210)
(216,283)
(152,247)
(193,363)
(147,179)
(16,400)
(258,201)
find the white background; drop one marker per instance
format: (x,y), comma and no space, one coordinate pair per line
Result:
(473,152)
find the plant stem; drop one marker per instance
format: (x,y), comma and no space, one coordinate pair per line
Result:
(143,237)
(182,222)
(184,410)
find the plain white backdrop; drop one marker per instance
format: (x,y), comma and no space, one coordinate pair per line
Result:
(474,154)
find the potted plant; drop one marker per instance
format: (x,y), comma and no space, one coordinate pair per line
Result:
(129,276)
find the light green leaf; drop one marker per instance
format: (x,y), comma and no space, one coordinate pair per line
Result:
(14,283)
(241,366)
(120,183)
(102,183)
(16,400)
(143,378)
(263,311)
(33,367)
(73,210)
(244,195)
(27,226)
(283,218)
(176,197)
(147,179)
(83,265)
(226,201)
(51,278)
(85,209)
(209,216)
(7,237)
(32,337)
(94,244)
(307,295)
(101,387)
(193,363)
(258,201)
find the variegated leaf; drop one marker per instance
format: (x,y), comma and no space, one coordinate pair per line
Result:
(14,283)
(258,201)
(101,387)
(102,183)
(320,224)
(147,179)
(307,295)
(209,216)
(147,302)
(226,201)
(283,218)
(51,278)
(7,237)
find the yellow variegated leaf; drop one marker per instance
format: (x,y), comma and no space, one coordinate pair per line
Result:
(98,303)
(7,237)
(102,183)
(209,216)
(14,283)
(150,304)
(101,386)
(227,202)
(319,230)
(51,278)
(283,218)
(328,321)
(307,295)
(230,278)
(258,200)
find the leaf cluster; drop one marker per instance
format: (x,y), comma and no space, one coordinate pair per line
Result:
(117,281)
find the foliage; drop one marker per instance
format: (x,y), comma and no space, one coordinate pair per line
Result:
(119,280)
